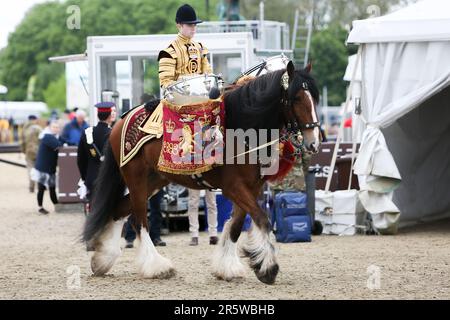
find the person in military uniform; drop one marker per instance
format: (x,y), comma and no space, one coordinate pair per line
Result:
(183,56)
(90,148)
(30,145)
(295,179)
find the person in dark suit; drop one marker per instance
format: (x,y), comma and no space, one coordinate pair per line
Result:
(92,141)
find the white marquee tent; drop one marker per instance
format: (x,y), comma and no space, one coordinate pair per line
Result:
(404,161)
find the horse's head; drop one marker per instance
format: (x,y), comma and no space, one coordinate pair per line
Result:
(300,97)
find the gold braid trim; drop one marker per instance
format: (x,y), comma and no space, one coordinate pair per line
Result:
(154,124)
(204,106)
(184,171)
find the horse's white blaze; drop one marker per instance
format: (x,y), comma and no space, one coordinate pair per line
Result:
(150,263)
(226,262)
(107,248)
(314,117)
(259,245)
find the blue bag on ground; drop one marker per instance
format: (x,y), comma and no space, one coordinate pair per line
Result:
(290,217)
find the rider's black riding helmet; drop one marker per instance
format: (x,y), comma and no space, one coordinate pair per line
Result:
(186,15)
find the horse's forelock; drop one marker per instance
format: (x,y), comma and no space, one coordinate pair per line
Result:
(301,76)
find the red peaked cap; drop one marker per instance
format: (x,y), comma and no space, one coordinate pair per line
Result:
(104,106)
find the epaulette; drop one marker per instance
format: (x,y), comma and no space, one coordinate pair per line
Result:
(167,53)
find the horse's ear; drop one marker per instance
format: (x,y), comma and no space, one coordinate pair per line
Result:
(308,67)
(290,69)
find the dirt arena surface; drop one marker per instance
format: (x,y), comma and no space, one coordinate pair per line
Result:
(40,257)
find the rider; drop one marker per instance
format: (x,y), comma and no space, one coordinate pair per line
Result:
(184,56)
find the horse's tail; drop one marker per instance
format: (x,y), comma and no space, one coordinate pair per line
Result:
(108,191)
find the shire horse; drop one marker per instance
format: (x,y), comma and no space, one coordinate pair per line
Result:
(262,103)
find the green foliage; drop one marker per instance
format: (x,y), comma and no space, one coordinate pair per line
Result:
(329,56)
(46,73)
(43,33)
(326,12)
(55,94)
(331,23)
(151,78)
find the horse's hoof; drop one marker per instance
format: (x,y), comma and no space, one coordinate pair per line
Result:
(228,269)
(228,278)
(161,268)
(166,274)
(101,263)
(269,276)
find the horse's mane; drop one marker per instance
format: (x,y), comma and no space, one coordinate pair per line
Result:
(256,103)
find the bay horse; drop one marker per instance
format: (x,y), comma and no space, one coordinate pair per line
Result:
(262,103)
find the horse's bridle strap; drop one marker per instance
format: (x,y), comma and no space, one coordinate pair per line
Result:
(285,101)
(310,125)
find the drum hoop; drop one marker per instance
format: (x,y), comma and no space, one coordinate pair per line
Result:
(178,85)
(194,77)
(259,67)
(252,69)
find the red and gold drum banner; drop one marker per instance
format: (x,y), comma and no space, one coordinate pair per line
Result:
(193,139)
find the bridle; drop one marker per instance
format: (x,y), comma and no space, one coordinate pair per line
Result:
(287,104)
(292,132)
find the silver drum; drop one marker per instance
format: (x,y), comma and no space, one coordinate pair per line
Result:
(268,65)
(193,89)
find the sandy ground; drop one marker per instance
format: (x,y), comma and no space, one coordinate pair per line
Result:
(40,258)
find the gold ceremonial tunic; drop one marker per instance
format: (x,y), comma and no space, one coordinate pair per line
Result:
(183,57)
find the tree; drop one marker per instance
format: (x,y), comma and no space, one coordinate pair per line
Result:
(327,12)
(55,94)
(46,73)
(43,33)
(329,57)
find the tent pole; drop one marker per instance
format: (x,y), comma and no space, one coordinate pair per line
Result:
(341,127)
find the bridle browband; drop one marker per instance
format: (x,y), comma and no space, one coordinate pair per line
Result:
(287,103)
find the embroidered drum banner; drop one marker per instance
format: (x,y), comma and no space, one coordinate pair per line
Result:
(193,138)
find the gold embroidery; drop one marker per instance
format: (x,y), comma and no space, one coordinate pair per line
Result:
(192,66)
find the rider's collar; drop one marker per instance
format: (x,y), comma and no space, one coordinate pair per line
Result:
(183,39)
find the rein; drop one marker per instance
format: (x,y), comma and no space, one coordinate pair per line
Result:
(299,146)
